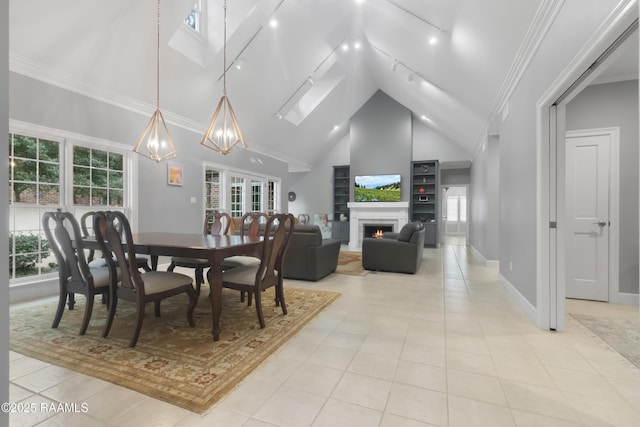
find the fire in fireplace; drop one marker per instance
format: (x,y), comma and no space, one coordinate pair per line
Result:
(376,230)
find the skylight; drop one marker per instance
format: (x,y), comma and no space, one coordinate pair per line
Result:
(193,19)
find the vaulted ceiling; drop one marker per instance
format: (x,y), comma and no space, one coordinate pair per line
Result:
(299,81)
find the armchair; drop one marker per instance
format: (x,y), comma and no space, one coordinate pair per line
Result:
(396,252)
(309,256)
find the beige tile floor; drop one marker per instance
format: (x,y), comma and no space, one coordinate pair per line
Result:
(444,347)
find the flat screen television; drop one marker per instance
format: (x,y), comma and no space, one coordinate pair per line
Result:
(377,188)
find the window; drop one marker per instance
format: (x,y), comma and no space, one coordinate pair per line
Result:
(46,174)
(194,18)
(34,181)
(97,178)
(238,192)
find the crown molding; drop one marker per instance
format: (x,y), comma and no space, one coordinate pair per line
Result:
(542,21)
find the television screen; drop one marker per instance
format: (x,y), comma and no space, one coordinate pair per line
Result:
(377,188)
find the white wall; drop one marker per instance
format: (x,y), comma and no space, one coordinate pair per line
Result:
(575,23)
(616,105)
(4,208)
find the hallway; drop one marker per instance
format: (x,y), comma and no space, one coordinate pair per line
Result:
(444,347)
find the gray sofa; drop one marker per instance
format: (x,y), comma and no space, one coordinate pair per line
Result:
(397,252)
(309,256)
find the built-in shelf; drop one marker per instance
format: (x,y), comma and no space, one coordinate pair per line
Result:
(341,186)
(424,201)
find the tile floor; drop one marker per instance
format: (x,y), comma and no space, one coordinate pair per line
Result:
(444,347)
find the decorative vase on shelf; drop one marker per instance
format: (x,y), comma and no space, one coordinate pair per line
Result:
(421,190)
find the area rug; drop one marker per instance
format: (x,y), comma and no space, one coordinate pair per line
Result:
(172,361)
(350,263)
(621,334)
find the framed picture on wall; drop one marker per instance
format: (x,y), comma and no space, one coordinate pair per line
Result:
(174,174)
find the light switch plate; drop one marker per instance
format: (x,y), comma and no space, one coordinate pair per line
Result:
(193,200)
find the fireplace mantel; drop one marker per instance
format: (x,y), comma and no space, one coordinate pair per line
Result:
(360,213)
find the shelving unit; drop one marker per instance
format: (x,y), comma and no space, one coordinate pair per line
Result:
(341,185)
(425,184)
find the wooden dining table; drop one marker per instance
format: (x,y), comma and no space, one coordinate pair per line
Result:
(213,248)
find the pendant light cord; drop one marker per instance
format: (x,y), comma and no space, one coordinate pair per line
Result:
(224,74)
(158,60)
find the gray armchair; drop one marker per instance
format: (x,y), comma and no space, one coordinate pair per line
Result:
(397,252)
(309,256)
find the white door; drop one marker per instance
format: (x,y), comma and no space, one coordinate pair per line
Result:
(456,210)
(587,204)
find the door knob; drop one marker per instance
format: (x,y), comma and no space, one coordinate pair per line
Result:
(601,223)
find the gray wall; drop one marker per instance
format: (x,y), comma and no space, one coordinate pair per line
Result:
(61,109)
(455,176)
(485,200)
(616,105)
(381,140)
(371,129)
(4,207)
(429,144)
(518,139)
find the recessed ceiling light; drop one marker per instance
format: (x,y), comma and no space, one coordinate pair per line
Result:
(433,40)
(357,45)
(345,47)
(273,23)
(360,1)
(240,63)
(336,127)
(423,117)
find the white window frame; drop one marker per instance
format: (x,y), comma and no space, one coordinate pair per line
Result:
(249,178)
(67,141)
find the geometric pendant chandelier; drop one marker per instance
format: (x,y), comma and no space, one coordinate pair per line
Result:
(223,132)
(155,142)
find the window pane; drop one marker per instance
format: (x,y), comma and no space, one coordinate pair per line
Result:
(115,180)
(115,161)
(99,178)
(49,195)
(81,176)
(49,172)
(452,208)
(81,196)
(81,156)
(99,158)
(49,151)
(115,198)
(25,170)
(24,146)
(463,209)
(98,196)
(24,193)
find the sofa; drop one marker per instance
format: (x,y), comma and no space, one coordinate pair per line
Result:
(309,256)
(396,252)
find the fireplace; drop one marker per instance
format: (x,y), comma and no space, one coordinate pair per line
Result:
(390,214)
(370,230)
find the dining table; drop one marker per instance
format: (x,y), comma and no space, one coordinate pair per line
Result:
(213,248)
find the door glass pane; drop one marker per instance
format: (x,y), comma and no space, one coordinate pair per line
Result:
(452,208)
(463,209)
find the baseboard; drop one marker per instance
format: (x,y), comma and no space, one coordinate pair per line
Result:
(530,310)
(626,298)
(33,290)
(486,262)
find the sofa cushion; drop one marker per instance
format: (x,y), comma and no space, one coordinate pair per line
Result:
(407,231)
(312,233)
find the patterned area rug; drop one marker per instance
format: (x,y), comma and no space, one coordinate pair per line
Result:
(171,362)
(621,334)
(350,263)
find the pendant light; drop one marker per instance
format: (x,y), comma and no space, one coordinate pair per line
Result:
(155,142)
(223,132)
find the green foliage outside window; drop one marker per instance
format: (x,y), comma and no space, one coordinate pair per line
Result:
(29,251)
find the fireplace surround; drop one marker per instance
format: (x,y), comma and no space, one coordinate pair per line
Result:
(394,214)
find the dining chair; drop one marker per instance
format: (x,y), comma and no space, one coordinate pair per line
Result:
(86,224)
(250,225)
(254,279)
(113,233)
(215,224)
(75,276)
